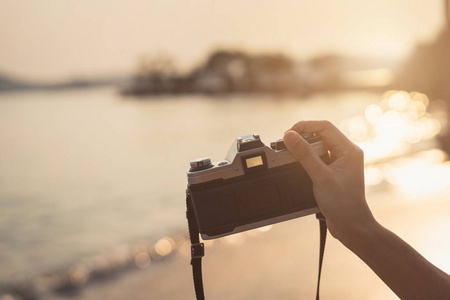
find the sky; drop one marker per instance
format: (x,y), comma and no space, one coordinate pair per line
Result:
(47,40)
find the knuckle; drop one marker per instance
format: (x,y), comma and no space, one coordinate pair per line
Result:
(299,126)
(327,124)
(358,152)
(356,155)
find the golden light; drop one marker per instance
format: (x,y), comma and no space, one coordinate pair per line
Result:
(399,101)
(422,175)
(79,277)
(419,97)
(392,125)
(388,129)
(253,232)
(430,127)
(418,107)
(234,240)
(435,156)
(184,248)
(358,128)
(208,243)
(164,246)
(373,114)
(413,135)
(368,78)
(373,176)
(142,260)
(434,239)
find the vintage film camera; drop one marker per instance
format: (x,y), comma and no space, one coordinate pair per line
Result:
(254,186)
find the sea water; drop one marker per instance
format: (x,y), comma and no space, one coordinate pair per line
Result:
(83,171)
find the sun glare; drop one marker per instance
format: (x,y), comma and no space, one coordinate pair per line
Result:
(398,139)
(390,128)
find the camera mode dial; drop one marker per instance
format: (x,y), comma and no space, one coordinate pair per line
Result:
(201,164)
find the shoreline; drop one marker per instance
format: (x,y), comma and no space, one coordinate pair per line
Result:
(86,271)
(279,261)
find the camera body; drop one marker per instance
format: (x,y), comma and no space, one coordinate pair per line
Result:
(256,185)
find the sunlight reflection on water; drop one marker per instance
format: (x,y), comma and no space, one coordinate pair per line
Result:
(419,176)
(399,125)
(393,126)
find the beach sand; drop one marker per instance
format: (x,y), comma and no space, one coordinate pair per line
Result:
(282,263)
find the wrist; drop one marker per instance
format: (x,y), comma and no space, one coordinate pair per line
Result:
(361,235)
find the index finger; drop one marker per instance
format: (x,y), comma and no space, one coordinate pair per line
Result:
(333,138)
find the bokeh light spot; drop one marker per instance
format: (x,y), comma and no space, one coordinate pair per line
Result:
(79,277)
(164,246)
(373,176)
(419,97)
(399,101)
(373,114)
(142,260)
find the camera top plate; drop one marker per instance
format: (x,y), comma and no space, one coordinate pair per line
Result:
(248,152)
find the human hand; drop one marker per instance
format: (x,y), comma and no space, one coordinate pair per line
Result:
(339,192)
(338,187)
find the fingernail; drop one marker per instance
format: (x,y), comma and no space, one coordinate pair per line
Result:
(291,138)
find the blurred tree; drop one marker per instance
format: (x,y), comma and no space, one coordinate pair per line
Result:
(154,74)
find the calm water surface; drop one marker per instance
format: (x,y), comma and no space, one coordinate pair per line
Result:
(84,171)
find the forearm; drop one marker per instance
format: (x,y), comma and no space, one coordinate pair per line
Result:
(401,267)
(339,192)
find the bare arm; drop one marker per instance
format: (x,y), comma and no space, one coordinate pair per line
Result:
(340,194)
(401,267)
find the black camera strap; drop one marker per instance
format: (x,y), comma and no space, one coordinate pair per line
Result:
(323,239)
(198,249)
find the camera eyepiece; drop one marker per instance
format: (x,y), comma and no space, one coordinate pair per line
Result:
(249,142)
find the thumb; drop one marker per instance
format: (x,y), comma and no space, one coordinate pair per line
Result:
(304,154)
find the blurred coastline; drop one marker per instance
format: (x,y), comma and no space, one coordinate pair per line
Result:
(226,71)
(237,72)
